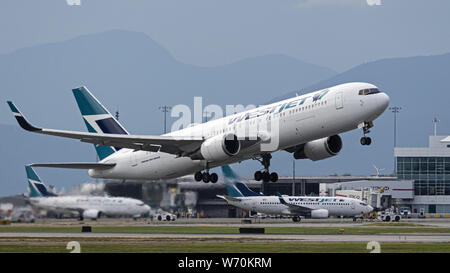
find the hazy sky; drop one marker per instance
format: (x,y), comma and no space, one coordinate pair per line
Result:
(335,33)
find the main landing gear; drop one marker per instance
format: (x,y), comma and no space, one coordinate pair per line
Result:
(265,175)
(206,177)
(366,129)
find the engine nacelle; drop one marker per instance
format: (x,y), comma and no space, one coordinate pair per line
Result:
(319,213)
(220,147)
(91,214)
(320,149)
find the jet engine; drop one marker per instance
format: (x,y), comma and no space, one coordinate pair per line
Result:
(319,213)
(320,149)
(91,214)
(220,147)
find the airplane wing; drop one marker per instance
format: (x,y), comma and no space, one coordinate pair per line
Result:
(76,165)
(295,209)
(181,146)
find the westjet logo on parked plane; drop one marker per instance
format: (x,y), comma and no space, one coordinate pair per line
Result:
(320,200)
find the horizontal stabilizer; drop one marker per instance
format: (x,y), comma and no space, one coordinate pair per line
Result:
(75,165)
(229,198)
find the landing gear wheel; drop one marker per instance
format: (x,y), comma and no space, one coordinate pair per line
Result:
(274,177)
(366,141)
(258,175)
(363,141)
(265,175)
(206,177)
(296,219)
(198,176)
(213,177)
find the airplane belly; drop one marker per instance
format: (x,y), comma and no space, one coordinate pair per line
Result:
(148,166)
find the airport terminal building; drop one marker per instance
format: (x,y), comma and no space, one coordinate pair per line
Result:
(429,168)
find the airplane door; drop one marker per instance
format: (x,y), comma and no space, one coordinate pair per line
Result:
(339,100)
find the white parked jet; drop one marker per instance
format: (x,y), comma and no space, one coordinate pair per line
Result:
(239,195)
(87,206)
(307,126)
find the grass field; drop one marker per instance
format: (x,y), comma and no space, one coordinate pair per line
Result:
(114,244)
(205,229)
(38,245)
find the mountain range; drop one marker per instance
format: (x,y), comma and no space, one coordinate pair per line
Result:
(130,72)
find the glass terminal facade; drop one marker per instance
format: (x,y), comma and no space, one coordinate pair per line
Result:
(431,175)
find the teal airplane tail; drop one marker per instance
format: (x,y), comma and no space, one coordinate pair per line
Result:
(97,119)
(234,187)
(35,186)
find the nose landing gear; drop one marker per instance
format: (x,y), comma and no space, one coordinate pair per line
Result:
(366,141)
(265,175)
(366,129)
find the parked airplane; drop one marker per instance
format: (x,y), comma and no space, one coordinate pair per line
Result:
(307,126)
(87,206)
(239,195)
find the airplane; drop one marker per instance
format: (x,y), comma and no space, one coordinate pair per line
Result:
(308,126)
(315,207)
(92,207)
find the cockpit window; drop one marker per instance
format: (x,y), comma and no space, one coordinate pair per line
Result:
(363,204)
(369,91)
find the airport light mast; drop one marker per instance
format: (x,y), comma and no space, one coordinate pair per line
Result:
(293,177)
(205,114)
(395,110)
(165,109)
(117,114)
(435,121)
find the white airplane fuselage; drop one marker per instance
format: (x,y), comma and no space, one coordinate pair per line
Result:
(110,206)
(298,120)
(271,205)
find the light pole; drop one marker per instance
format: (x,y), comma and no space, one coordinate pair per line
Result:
(117,114)
(435,121)
(206,113)
(395,110)
(165,109)
(293,177)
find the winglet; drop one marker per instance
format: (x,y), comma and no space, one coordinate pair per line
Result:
(282,201)
(23,122)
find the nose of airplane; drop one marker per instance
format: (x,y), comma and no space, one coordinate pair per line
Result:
(383,101)
(370,208)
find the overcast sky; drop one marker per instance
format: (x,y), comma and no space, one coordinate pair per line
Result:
(337,34)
